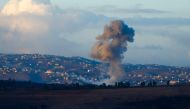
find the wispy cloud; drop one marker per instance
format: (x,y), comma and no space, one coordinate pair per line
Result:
(158,21)
(135,10)
(188,54)
(149,47)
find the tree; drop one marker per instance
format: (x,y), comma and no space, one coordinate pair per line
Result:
(154,83)
(150,84)
(142,84)
(103,85)
(127,84)
(120,84)
(168,83)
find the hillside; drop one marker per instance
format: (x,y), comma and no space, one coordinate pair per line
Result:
(60,69)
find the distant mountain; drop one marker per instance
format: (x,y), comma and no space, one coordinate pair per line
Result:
(60,69)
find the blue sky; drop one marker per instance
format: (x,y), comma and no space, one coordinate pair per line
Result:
(179,8)
(69,28)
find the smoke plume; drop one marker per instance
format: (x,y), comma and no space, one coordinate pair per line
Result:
(111,46)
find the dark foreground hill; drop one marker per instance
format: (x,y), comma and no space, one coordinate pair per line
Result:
(176,97)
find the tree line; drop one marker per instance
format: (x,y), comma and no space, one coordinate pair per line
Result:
(12,84)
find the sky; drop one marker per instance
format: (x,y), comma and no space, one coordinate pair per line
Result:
(70,27)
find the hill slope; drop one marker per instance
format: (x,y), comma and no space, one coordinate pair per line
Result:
(60,69)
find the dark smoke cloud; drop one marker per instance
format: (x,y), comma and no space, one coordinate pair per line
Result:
(111,46)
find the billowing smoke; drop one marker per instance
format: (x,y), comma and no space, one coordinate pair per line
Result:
(111,46)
